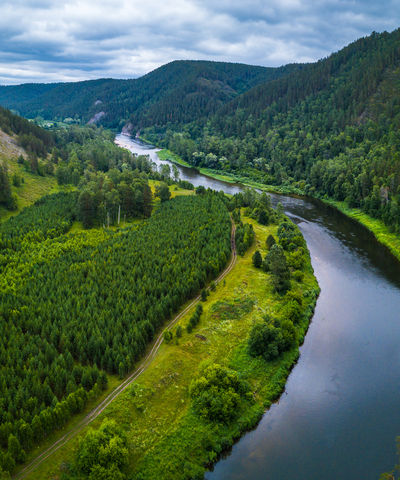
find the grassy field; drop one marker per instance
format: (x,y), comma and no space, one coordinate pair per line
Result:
(166,438)
(34,186)
(172,157)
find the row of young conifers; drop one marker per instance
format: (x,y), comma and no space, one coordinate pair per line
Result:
(74,306)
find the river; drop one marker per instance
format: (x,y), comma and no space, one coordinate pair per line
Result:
(339,414)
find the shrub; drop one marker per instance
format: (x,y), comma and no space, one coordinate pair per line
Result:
(265,340)
(270,241)
(178,332)
(102,453)
(168,335)
(269,339)
(298,276)
(257,259)
(217,393)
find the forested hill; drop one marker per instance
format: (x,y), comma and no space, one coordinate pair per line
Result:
(331,128)
(33,138)
(176,92)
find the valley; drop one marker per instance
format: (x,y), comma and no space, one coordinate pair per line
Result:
(223,305)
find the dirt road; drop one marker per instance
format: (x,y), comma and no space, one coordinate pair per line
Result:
(125,384)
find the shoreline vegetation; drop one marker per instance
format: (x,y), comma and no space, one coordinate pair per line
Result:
(380,231)
(165,436)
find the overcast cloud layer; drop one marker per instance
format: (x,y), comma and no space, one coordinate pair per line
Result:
(57,40)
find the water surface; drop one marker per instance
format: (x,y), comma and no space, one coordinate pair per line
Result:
(339,415)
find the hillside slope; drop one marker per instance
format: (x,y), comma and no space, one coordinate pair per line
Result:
(174,93)
(331,128)
(26,186)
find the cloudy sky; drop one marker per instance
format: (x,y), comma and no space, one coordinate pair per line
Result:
(58,40)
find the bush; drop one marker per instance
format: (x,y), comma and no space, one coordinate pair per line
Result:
(217,393)
(269,339)
(275,262)
(168,335)
(194,319)
(178,332)
(298,276)
(265,340)
(270,241)
(257,259)
(293,312)
(102,453)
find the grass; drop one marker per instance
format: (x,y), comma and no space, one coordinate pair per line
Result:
(167,155)
(34,186)
(377,227)
(165,437)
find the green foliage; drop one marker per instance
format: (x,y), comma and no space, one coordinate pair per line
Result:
(6,197)
(4,475)
(217,394)
(162,192)
(178,332)
(107,199)
(102,454)
(195,318)
(298,275)
(329,128)
(270,241)
(17,180)
(73,303)
(289,236)
(49,217)
(174,93)
(244,237)
(15,449)
(257,259)
(32,138)
(168,336)
(269,339)
(228,310)
(275,263)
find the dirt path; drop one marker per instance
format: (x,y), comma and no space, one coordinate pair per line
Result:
(125,384)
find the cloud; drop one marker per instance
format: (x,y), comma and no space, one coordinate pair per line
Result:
(59,40)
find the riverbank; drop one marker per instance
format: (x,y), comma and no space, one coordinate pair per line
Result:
(381,232)
(227,177)
(164,433)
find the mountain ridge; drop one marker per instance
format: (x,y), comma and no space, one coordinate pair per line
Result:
(175,92)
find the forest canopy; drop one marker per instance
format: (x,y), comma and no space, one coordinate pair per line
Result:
(76,305)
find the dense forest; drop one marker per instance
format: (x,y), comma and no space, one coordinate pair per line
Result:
(331,128)
(174,93)
(73,306)
(113,183)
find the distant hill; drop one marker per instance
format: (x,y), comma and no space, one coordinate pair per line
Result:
(331,128)
(175,93)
